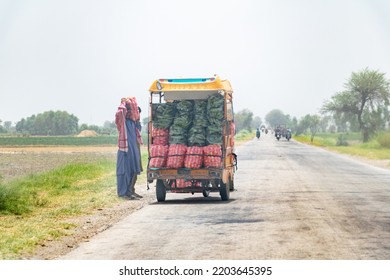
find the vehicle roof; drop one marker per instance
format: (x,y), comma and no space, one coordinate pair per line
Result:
(191,84)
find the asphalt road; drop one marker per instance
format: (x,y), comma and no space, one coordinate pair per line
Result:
(292,202)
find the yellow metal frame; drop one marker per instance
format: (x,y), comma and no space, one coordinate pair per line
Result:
(213,83)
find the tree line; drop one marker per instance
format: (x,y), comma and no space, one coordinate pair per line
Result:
(54,123)
(362,106)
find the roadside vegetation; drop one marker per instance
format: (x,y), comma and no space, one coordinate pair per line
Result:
(377,148)
(37,208)
(243,136)
(57,140)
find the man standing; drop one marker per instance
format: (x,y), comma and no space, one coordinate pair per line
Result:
(128,156)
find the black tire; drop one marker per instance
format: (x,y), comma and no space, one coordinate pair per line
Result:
(160,191)
(206,193)
(225,190)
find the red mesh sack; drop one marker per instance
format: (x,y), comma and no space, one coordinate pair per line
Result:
(212,161)
(160,136)
(212,150)
(160,140)
(194,157)
(157,162)
(212,156)
(160,132)
(158,156)
(182,183)
(176,154)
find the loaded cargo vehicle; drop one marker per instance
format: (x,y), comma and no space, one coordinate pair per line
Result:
(191,137)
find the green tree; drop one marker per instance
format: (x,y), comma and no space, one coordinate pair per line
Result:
(243,120)
(49,123)
(366,97)
(276,117)
(311,122)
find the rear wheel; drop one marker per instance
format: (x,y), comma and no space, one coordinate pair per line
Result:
(206,193)
(160,191)
(225,190)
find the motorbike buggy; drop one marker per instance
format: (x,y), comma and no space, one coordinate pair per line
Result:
(191,137)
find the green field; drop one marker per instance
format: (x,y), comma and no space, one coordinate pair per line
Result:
(57,141)
(37,208)
(377,148)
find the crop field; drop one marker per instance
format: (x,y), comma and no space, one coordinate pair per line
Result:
(42,186)
(57,141)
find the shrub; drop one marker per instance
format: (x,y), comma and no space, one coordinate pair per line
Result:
(14,200)
(341,141)
(243,135)
(384,140)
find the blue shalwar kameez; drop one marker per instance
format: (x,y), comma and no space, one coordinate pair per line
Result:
(128,163)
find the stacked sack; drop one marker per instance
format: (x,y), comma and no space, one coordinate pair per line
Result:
(212,156)
(158,156)
(197,132)
(215,119)
(163,115)
(194,157)
(176,155)
(178,132)
(160,136)
(196,123)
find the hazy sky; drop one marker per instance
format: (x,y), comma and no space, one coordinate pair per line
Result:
(83,56)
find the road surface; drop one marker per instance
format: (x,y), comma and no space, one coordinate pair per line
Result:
(293,202)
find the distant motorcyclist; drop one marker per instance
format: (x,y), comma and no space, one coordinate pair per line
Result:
(278,133)
(258,133)
(288,134)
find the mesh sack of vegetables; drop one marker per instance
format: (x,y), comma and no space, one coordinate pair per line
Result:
(214,134)
(184,112)
(200,113)
(194,157)
(197,136)
(183,183)
(212,156)
(181,123)
(160,136)
(197,132)
(163,115)
(177,135)
(184,107)
(158,156)
(159,132)
(178,139)
(176,155)
(215,109)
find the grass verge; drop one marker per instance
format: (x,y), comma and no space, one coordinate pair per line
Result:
(376,149)
(37,208)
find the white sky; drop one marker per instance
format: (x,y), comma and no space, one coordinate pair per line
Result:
(83,56)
